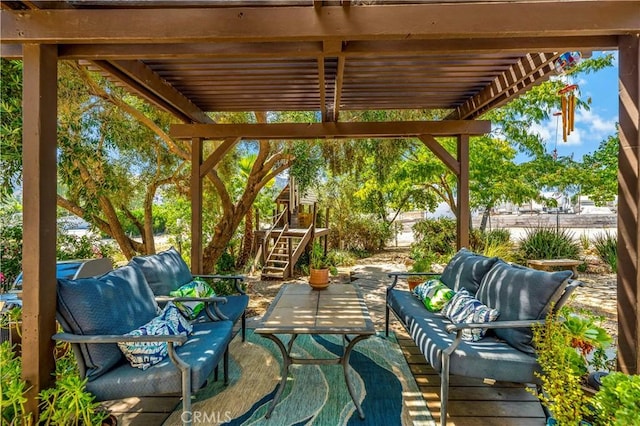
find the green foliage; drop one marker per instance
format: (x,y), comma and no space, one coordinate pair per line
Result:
(494,243)
(606,245)
(12,400)
(317,259)
(434,236)
(340,258)
(618,400)
(226,263)
(423,262)
(563,344)
(548,243)
(585,242)
(67,403)
(10,126)
(10,254)
(82,247)
(600,171)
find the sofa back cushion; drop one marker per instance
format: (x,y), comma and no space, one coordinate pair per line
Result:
(520,293)
(165,271)
(114,303)
(466,270)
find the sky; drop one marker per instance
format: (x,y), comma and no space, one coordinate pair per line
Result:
(591,126)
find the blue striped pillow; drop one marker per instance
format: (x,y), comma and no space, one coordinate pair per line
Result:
(464,308)
(145,354)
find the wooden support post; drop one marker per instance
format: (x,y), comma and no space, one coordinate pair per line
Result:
(39,217)
(464,213)
(628,206)
(196,206)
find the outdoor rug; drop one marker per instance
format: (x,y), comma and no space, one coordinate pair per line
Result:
(315,394)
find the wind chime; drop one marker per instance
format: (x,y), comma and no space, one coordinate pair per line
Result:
(567,109)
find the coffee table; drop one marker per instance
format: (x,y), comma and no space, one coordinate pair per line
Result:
(298,309)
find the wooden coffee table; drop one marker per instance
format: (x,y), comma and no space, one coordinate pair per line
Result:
(298,309)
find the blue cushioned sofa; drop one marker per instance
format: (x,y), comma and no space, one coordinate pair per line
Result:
(167,271)
(523,297)
(95,313)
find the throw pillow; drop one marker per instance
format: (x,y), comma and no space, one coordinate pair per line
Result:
(145,354)
(521,293)
(195,288)
(466,270)
(434,294)
(464,308)
(165,271)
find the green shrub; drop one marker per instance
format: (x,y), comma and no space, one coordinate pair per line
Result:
(434,235)
(363,233)
(341,258)
(548,243)
(10,254)
(494,243)
(585,243)
(67,403)
(606,245)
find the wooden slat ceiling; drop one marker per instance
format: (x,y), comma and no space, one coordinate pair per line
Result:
(329,74)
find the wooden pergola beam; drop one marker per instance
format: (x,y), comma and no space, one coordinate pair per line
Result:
(39,139)
(354,48)
(505,84)
(141,79)
(448,20)
(628,287)
(330,130)
(216,156)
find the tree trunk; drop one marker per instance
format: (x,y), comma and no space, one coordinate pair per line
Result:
(485,218)
(247,240)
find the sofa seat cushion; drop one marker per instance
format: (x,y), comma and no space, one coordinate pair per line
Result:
(233,309)
(114,303)
(165,271)
(491,357)
(521,293)
(466,270)
(203,351)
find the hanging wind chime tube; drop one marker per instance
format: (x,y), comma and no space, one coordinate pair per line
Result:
(567,109)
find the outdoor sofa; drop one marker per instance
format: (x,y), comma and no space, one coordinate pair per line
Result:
(522,296)
(167,271)
(96,313)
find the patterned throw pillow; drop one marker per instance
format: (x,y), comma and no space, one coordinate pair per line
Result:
(195,288)
(464,308)
(434,294)
(145,354)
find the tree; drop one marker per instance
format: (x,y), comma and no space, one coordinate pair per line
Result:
(600,171)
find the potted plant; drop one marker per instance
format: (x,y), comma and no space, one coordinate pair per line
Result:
(318,267)
(569,345)
(422,264)
(618,400)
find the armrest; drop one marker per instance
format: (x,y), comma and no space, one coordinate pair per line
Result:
(237,279)
(493,325)
(215,315)
(116,338)
(396,275)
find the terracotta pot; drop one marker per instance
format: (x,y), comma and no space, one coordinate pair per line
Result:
(319,278)
(414,281)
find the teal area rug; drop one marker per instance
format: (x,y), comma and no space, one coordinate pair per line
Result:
(315,394)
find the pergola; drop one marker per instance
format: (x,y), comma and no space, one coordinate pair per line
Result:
(193,57)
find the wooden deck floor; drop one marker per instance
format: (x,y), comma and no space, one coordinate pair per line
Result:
(471,401)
